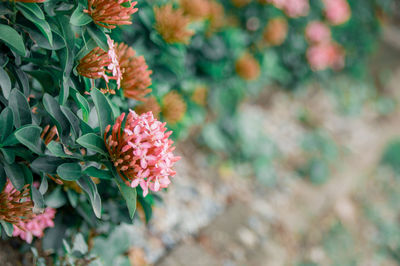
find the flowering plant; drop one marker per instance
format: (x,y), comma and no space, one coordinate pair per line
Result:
(86,86)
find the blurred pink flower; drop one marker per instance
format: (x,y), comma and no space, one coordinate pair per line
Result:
(325,55)
(297,8)
(35,227)
(318,32)
(141,151)
(337,11)
(293,8)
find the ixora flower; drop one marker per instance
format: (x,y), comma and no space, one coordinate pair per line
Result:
(318,32)
(149,104)
(293,8)
(101,64)
(15,206)
(109,13)
(172,24)
(337,11)
(135,74)
(276,31)
(195,9)
(141,151)
(26,230)
(173,107)
(326,55)
(247,67)
(240,3)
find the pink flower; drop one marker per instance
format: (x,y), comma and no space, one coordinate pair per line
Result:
(296,8)
(318,32)
(101,64)
(337,11)
(141,151)
(325,55)
(26,230)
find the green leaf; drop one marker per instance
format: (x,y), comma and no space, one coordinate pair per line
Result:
(79,244)
(129,194)
(9,155)
(93,142)
(16,175)
(70,171)
(45,79)
(72,197)
(47,164)
(30,137)
(6,123)
(21,111)
(66,55)
(37,200)
(103,108)
(13,39)
(33,8)
(95,172)
(8,228)
(5,83)
(58,118)
(72,119)
(41,24)
(98,36)
(79,18)
(56,149)
(84,105)
(90,188)
(56,199)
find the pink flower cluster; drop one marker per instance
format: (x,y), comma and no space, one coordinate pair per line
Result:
(293,8)
(113,66)
(337,11)
(26,230)
(318,32)
(142,151)
(323,52)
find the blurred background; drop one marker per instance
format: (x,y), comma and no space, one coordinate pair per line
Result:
(295,164)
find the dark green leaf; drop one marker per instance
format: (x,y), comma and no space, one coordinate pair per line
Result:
(58,118)
(9,155)
(103,108)
(93,142)
(95,172)
(37,200)
(72,197)
(98,36)
(79,18)
(129,194)
(56,199)
(41,24)
(34,8)
(6,123)
(84,105)
(13,39)
(72,119)
(5,83)
(16,175)
(47,164)
(8,228)
(69,171)
(21,111)
(30,137)
(90,188)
